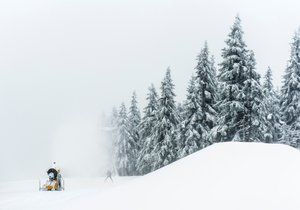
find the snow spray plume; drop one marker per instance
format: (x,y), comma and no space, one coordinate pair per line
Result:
(80,149)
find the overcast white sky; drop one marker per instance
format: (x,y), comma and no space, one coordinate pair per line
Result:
(63,62)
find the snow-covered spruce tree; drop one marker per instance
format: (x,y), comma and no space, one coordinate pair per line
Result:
(288,135)
(148,122)
(290,101)
(213,67)
(189,133)
(254,119)
(232,75)
(272,115)
(217,92)
(134,120)
(200,114)
(180,109)
(146,128)
(123,145)
(206,87)
(163,135)
(268,87)
(149,119)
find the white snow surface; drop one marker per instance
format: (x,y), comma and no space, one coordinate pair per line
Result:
(224,176)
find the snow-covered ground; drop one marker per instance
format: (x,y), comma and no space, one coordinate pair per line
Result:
(226,176)
(25,195)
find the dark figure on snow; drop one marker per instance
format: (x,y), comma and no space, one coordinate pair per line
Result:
(109,175)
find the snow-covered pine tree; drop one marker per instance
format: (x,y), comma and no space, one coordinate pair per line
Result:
(124,145)
(200,113)
(190,130)
(231,76)
(148,122)
(254,113)
(272,115)
(215,74)
(206,87)
(290,101)
(149,119)
(163,136)
(268,87)
(288,135)
(213,66)
(134,120)
(180,109)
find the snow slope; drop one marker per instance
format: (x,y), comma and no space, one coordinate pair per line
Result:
(24,195)
(227,176)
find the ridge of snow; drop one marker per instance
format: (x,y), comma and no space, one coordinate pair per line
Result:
(227,176)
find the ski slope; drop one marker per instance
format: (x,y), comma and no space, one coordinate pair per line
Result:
(227,176)
(25,195)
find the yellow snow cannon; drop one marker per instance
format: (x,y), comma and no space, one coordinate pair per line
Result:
(55,182)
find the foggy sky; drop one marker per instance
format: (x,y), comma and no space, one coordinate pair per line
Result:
(63,63)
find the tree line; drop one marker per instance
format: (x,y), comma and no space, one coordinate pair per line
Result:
(225,104)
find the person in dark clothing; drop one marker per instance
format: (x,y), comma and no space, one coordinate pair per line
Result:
(109,175)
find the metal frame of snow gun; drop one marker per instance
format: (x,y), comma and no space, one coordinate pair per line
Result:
(60,188)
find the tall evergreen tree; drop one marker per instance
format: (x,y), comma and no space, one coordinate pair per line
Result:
(290,101)
(232,76)
(134,120)
(146,128)
(217,86)
(268,82)
(213,68)
(180,109)
(124,145)
(206,86)
(149,119)
(165,145)
(190,130)
(254,111)
(272,115)
(200,113)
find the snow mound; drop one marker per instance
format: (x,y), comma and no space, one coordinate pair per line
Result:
(227,176)
(224,176)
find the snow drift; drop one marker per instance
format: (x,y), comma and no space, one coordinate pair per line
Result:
(227,176)
(223,176)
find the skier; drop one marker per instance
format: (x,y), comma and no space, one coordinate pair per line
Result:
(109,175)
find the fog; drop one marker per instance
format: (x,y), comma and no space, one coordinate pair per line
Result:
(63,63)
